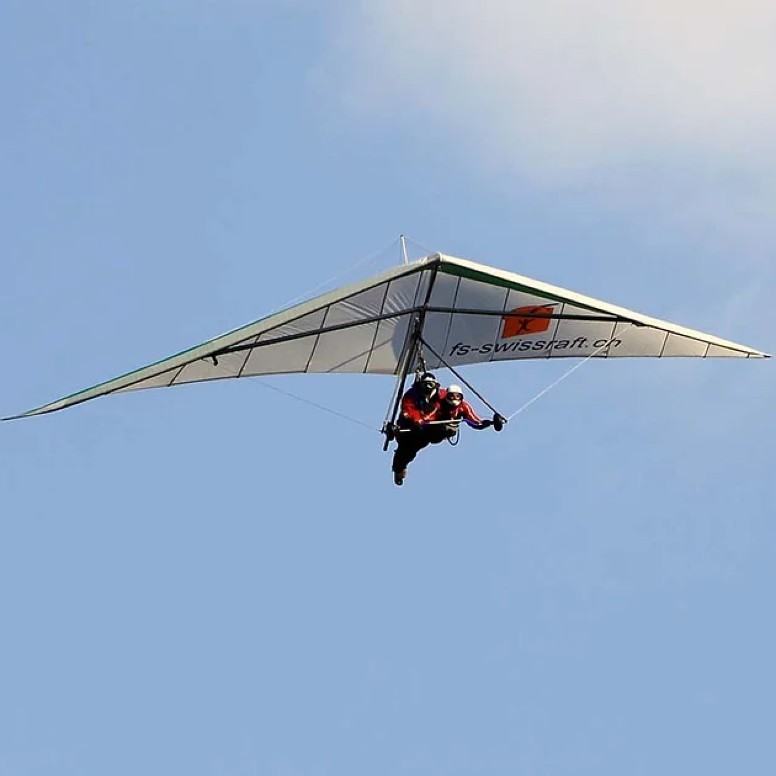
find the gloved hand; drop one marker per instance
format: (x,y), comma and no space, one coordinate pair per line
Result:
(486,424)
(498,422)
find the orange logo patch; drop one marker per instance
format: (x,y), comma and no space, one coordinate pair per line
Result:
(521,321)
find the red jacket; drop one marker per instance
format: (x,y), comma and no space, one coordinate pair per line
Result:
(415,410)
(463,411)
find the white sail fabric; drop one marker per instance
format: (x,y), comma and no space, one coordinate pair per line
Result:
(523,318)
(465,313)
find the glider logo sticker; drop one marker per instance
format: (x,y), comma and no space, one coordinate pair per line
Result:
(516,337)
(520,321)
(534,347)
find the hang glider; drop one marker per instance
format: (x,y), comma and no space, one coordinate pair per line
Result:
(456,311)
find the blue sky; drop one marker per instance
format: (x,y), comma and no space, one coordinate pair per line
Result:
(219,580)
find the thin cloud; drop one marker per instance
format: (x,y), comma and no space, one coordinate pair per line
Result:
(561,88)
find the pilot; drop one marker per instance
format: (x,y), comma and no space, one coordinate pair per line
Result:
(422,420)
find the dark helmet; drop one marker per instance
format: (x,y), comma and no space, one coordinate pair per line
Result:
(427,384)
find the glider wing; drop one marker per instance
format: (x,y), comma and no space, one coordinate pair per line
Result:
(358,328)
(480,314)
(465,312)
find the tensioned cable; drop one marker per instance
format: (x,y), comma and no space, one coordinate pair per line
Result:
(566,374)
(315,404)
(461,378)
(428,251)
(517,412)
(361,262)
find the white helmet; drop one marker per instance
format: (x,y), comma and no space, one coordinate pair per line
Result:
(454,394)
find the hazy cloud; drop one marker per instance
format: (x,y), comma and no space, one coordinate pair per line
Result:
(559,88)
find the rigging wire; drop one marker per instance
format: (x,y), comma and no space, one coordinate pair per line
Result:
(517,412)
(426,250)
(461,378)
(316,405)
(369,259)
(566,374)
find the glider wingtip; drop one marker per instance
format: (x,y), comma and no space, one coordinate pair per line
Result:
(21,415)
(11,417)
